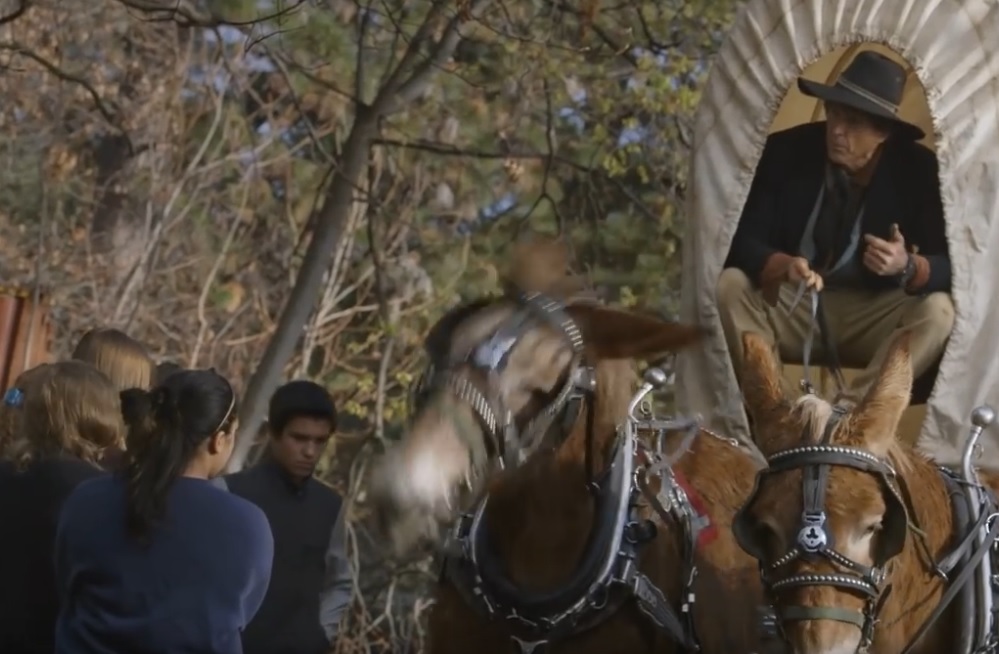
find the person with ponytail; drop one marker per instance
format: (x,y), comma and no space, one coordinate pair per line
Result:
(155,558)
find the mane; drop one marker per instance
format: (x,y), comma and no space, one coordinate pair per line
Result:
(814,414)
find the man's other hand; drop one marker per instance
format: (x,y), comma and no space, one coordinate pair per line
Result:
(885,258)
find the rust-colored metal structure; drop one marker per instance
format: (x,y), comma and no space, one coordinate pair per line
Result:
(25,332)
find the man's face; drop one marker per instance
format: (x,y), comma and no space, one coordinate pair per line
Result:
(298,447)
(852,137)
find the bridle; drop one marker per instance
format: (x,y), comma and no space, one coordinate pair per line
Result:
(814,540)
(608,576)
(509,442)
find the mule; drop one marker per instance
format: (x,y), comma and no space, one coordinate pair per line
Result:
(561,552)
(856,533)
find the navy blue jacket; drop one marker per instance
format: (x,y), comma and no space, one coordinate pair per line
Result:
(904,189)
(192,589)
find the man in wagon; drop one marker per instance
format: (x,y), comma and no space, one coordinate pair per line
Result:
(851,207)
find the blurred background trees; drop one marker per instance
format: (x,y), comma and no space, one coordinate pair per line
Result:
(174,169)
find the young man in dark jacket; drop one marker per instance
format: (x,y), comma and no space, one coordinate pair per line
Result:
(851,207)
(310,585)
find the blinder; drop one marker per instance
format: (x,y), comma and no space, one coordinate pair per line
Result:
(891,538)
(814,540)
(509,443)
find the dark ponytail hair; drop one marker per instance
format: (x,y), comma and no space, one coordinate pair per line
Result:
(166,426)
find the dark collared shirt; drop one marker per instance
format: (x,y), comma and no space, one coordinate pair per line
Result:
(310,584)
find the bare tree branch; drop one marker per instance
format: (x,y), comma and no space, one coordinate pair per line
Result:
(398,93)
(447,150)
(22,8)
(549,159)
(186,14)
(110,115)
(332,218)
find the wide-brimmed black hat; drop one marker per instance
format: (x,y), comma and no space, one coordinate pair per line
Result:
(872,83)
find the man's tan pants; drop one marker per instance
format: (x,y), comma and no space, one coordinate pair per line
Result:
(862,325)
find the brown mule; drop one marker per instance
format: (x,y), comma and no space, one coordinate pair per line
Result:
(543,384)
(852,528)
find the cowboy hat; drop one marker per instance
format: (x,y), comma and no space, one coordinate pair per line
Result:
(873,84)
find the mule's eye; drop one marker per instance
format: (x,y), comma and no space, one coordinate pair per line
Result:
(872,528)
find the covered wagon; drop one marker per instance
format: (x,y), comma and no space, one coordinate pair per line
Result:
(952,92)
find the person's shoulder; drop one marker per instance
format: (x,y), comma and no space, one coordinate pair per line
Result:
(915,155)
(244,511)
(326,493)
(241,480)
(253,525)
(97,491)
(102,483)
(241,474)
(806,140)
(799,135)
(325,490)
(78,471)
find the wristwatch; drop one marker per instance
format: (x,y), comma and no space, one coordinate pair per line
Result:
(908,272)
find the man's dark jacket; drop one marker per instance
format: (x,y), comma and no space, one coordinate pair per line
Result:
(302,519)
(904,189)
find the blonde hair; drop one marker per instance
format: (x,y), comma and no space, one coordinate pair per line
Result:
(11,413)
(124,360)
(69,408)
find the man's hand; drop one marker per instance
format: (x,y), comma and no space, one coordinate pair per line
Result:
(800,271)
(886,258)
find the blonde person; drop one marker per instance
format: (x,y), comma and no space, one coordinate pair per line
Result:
(124,360)
(155,558)
(70,412)
(11,403)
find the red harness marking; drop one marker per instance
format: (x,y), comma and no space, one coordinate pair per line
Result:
(704,527)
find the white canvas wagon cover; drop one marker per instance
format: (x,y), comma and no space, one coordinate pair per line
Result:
(950,45)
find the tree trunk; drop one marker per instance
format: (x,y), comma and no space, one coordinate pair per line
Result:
(329,226)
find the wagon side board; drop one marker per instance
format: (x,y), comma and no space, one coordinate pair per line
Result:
(25,333)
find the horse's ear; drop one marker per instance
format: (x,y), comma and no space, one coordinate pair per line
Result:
(878,414)
(762,386)
(616,334)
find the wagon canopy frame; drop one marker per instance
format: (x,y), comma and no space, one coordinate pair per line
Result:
(945,43)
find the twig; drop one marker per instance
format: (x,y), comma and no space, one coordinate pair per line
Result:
(360,71)
(454,151)
(213,273)
(135,277)
(397,93)
(106,112)
(546,174)
(186,14)
(22,7)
